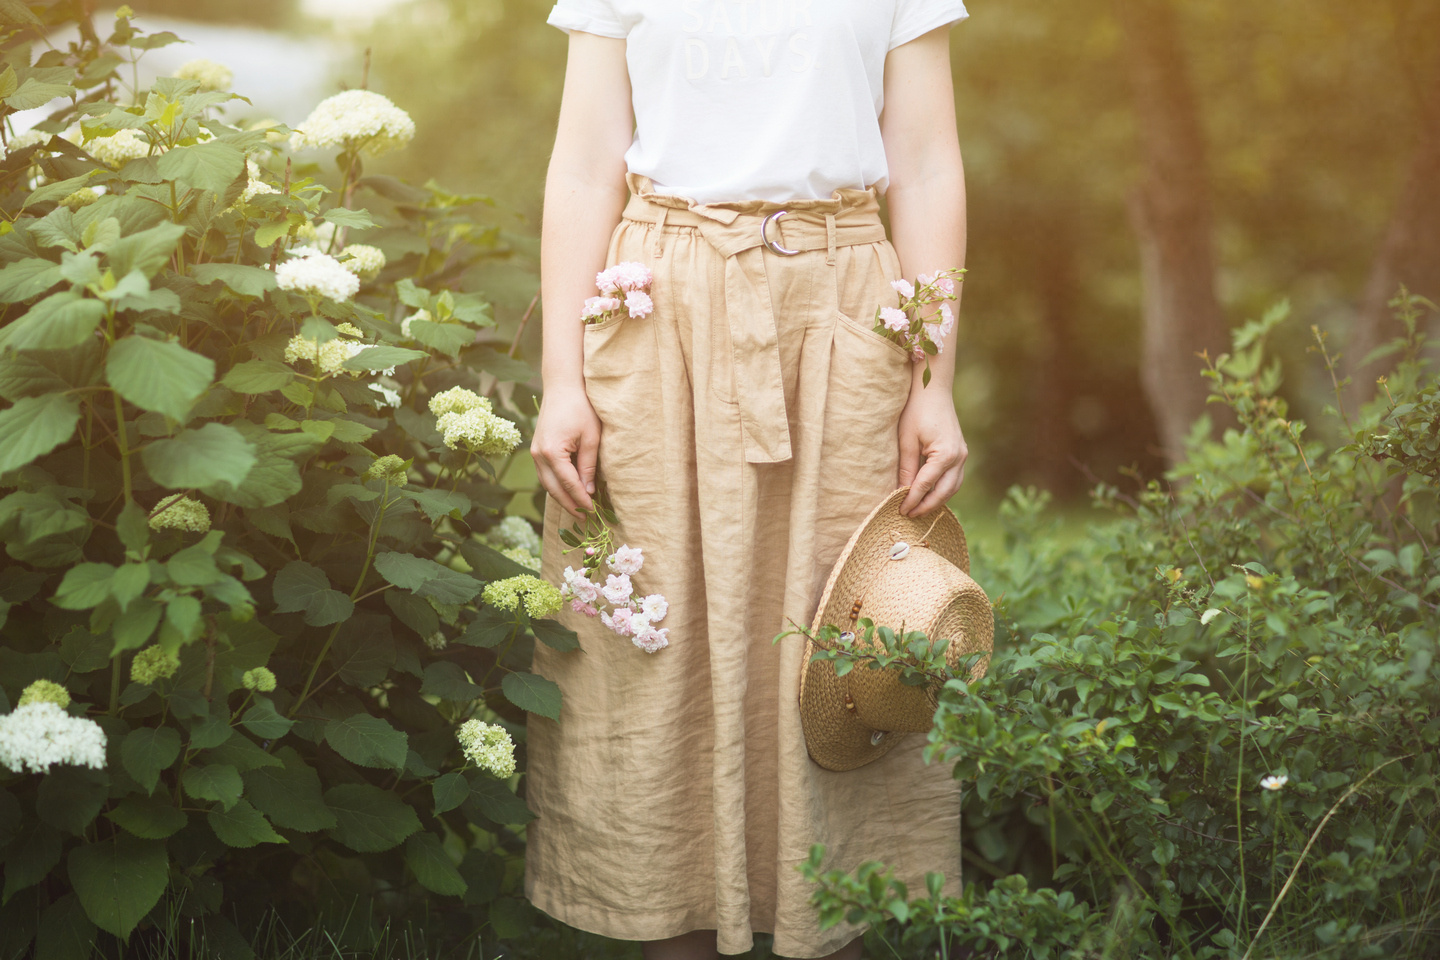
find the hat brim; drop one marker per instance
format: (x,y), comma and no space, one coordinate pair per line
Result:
(835,737)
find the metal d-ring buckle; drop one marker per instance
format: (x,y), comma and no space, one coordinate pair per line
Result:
(765,237)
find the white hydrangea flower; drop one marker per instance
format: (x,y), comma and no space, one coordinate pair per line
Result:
(24,141)
(122,147)
(328,357)
(458,400)
(516,532)
(317,275)
(487,746)
(363,260)
(387,397)
(179,512)
(523,557)
(1274,783)
(421,314)
(437,641)
(255,188)
(478,430)
(209,74)
(356,118)
(40,735)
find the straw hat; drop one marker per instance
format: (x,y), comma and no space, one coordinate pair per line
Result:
(896,571)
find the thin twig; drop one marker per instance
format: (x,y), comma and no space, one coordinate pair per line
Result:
(524,319)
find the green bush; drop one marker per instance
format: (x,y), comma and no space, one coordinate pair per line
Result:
(236,534)
(1211,728)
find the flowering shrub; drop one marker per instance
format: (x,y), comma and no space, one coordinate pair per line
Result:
(1210,728)
(259,642)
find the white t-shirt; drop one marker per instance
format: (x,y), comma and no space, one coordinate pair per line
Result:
(757,99)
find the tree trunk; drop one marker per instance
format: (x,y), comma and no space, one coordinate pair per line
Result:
(1410,251)
(1170,213)
(1054,393)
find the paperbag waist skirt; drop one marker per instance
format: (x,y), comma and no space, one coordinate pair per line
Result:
(749,424)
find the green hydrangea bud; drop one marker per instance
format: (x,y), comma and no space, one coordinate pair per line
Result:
(487,746)
(391,469)
(260,680)
(153,664)
(541,598)
(179,512)
(44,691)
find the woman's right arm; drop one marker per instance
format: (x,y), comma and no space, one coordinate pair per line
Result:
(585,193)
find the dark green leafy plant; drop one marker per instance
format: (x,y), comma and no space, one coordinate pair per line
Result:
(1211,727)
(249,497)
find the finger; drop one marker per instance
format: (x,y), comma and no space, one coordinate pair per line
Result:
(929,474)
(569,480)
(909,458)
(943,490)
(585,459)
(552,483)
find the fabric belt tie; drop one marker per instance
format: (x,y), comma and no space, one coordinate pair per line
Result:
(733,229)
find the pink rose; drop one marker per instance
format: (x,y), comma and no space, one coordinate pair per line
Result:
(617,589)
(652,640)
(580,606)
(946,286)
(626,560)
(631,275)
(639,304)
(905,288)
(619,621)
(608,281)
(894,319)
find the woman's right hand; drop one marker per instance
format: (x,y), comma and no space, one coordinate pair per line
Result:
(565,448)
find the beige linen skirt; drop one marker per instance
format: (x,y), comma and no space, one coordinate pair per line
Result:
(748,426)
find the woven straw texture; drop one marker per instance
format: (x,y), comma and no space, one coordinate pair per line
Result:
(852,720)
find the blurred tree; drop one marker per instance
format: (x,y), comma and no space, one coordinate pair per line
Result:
(262,13)
(1409,254)
(1170,212)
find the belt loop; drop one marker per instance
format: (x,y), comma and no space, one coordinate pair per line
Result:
(658,248)
(830,239)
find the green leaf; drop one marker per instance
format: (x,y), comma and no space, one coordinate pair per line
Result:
(448,338)
(368,819)
(212,730)
(354,219)
(367,741)
(503,366)
(242,826)
(129,583)
(27,279)
(381,358)
(555,636)
(218,782)
(65,932)
(33,374)
(150,818)
(85,585)
(133,527)
(265,722)
(197,458)
(432,866)
(447,681)
(34,93)
(193,566)
(427,578)
(450,791)
(159,376)
(30,858)
(532,693)
(289,795)
(146,251)
(242,753)
(146,751)
(267,233)
(118,881)
(245,280)
(275,476)
(209,166)
(134,626)
(257,376)
(415,612)
(69,797)
(489,629)
(487,564)
(62,321)
(33,427)
(494,800)
(440,503)
(301,586)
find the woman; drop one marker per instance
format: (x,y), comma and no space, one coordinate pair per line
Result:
(743,429)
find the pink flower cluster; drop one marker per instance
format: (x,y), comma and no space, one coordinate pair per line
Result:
(623,286)
(629,614)
(913,324)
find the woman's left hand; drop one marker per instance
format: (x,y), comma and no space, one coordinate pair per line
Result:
(932,449)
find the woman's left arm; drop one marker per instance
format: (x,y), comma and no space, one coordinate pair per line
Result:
(926,197)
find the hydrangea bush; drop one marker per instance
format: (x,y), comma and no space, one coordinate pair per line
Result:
(1211,727)
(264,627)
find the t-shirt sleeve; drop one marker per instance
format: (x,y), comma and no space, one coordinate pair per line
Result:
(588,16)
(914,18)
